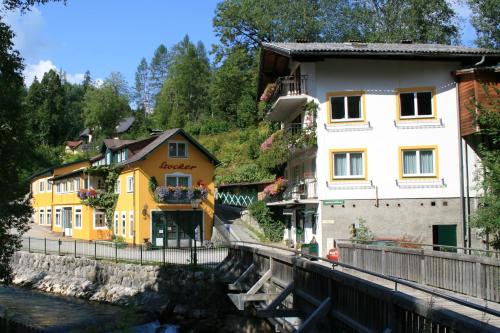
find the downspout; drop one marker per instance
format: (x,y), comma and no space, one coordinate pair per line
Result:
(133,204)
(480,61)
(461,166)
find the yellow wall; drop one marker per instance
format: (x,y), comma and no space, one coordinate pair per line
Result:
(40,200)
(144,170)
(138,201)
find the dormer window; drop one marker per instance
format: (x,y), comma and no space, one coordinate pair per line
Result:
(177,149)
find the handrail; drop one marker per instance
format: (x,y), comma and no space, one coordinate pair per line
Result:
(497,253)
(385,277)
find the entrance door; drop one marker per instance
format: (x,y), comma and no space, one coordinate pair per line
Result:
(177,228)
(66,221)
(444,235)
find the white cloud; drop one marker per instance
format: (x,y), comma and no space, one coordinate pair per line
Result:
(75,78)
(37,70)
(28,28)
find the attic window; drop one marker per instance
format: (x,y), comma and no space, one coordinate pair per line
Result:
(177,149)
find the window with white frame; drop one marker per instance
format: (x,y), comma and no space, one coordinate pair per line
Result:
(418,162)
(41,216)
(178,180)
(346,108)
(58,217)
(49,216)
(71,184)
(348,165)
(124,224)
(416,104)
(58,187)
(177,149)
(115,226)
(49,185)
(41,184)
(131,224)
(99,219)
(78,218)
(77,184)
(130,184)
(117,186)
(64,187)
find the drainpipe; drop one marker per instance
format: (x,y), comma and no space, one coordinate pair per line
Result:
(466,240)
(133,209)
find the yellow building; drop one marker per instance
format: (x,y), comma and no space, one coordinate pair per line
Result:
(182,169)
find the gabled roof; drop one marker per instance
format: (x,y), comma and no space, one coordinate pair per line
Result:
(160,139)
(48,171)
(74,144)
(114,144)
(124,125)
(374,49)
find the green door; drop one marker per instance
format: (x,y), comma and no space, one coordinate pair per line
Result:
(176,228)
(445,235)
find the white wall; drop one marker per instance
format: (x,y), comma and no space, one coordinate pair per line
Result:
(379,79)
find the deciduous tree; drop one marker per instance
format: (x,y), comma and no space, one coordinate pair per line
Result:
(486,21)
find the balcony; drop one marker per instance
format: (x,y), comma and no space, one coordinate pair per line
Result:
(302,191)
(287,93)
(300,136)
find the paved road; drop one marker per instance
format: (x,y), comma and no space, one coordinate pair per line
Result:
(232,216)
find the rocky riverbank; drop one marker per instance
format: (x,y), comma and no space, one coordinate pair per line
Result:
(191,298)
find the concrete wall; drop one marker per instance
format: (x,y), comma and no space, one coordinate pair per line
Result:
(412,218)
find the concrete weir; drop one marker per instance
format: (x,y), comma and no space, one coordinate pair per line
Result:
(299,295)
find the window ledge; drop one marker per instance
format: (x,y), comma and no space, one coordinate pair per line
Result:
(340,127)
(350,185)
(418,123)
(420,183)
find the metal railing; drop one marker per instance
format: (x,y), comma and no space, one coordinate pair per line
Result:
(395,280)
(288,86)
(302,189)
(207,254)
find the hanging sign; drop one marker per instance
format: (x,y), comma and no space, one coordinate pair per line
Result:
(180,166)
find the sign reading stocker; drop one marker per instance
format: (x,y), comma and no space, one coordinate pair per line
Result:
(180,166)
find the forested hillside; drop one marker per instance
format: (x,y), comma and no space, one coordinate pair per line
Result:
(211,91)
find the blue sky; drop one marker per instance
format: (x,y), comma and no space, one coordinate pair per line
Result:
(112,35)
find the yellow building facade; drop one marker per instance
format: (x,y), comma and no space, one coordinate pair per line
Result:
(169,215)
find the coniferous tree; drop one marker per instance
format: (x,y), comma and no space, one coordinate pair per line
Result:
(159,69)
(143,98)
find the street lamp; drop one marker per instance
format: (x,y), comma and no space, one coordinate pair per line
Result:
(195,203)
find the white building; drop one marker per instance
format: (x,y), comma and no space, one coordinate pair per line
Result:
(388,138)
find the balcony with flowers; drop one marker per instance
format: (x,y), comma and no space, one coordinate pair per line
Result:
(180,194)
(287,93)
(274,192)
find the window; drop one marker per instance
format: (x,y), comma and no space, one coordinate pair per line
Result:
(41,186)
(416,103)
(124,224)
(178,180)
(58,187)
(78,218)
(40,216)
(345,106)
(177,149)
(115,229)
(77,184)
(418,162)
(64,186)
(49,185)
(58,217)
(349,164)
(131,224)
(130,184)
(85,182)
(49,216)
(99,220)
(71,184)
(117,186)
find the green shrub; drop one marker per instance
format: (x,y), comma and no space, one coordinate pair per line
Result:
(273,228)
(213,126)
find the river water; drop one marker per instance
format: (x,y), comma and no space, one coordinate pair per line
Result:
(59,314)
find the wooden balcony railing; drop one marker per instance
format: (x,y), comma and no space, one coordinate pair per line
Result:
(287,86)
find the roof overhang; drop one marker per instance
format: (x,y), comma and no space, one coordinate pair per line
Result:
(68,174)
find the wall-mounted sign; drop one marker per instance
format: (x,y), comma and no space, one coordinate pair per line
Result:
(180,166)
(333,202)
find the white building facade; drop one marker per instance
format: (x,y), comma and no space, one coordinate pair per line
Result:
(388,150)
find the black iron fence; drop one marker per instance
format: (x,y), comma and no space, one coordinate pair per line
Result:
(206,254)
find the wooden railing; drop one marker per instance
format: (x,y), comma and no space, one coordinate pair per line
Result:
(327,300)
(288,86)
(462,273)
